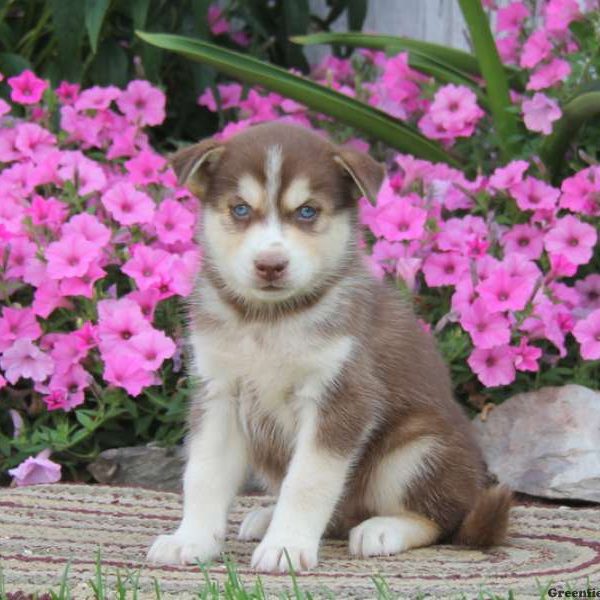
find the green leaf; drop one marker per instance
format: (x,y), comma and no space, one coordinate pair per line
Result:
(494,74)
(13,64)
(95,11)
(85,420)
(317,97)
(458,59)
(446,56)
(67,18)
(110,65)
(139,12)
(337,7)
(296,19)
(576,112)
(447,75)
(357,12)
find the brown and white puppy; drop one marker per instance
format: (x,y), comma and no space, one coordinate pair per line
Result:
(312,371)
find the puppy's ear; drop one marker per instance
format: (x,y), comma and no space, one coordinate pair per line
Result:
(194,165)
(366,172)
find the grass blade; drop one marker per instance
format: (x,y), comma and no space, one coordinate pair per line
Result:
(317,97)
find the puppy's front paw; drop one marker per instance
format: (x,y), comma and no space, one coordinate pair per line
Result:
(180,549)
(269,556)
(256,523)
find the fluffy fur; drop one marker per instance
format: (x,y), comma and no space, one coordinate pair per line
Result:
(313,372)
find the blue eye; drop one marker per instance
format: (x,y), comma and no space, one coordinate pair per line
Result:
(241,211)
(306,213)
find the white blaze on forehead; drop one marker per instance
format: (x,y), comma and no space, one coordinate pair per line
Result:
(250,190)
(273,163)
(297,193)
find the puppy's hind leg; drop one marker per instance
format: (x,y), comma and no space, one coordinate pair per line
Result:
(394,527)
(381,536)
(255,523)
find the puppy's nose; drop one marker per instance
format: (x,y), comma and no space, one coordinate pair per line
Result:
(270,266)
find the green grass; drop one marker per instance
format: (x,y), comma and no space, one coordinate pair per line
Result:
(125,586)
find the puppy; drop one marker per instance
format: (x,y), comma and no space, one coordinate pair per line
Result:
(312,371)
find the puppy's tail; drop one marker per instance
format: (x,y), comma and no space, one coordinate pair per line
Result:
(486,524)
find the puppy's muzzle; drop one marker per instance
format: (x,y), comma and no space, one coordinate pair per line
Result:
(270,266)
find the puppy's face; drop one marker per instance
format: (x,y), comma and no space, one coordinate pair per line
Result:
(279,208)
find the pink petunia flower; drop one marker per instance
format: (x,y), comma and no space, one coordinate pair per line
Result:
(501,291)
(83,285)
(127,205)
(560,14)
(89,227)
(548,75)
(27,88)
(24,359)
(147,300)
(526,356)
(540,112)
(588,290)
(455,108)
(216,20)
(36,470)
(18,324)
(173,222)
(142,103)
(524,239)
(533,194)
(21,252)
(230,95)
(493,366)
(444,268)
(47,212)
(152,347)
(572,239)
(33,141)
(85,173)
(536,49)
(97,98)
(67,92)
(118,321)
(399,220)
(71,256)
(581,192)
(67,388)
(48,297)
(508,48)
(487,329)
(511,18)
(560,266)
(123,370)
(145,168)
(147,265)
(504,178)
(587,333)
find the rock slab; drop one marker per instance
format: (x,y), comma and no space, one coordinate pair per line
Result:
(546,443)
(151,467)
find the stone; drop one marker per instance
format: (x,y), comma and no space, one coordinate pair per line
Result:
(150,467)
(546,442)
(147,466)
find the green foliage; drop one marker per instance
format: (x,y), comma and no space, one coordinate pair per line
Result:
(491,68)
(317,97)
(92,42)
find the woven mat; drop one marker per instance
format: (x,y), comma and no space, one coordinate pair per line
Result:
(43,527)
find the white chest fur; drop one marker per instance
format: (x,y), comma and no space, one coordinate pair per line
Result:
(272,369)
